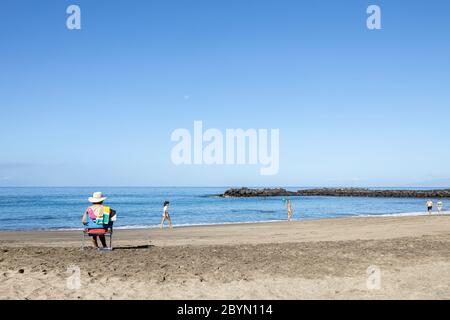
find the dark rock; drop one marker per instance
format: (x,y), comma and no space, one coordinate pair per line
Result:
(266,192)
(361,192)
(335,192)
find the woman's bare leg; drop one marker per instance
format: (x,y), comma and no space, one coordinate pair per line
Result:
(94,241)
(103,241)
(162,222)
(170,222)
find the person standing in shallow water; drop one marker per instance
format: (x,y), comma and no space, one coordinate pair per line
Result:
(440,206)
(166,214)
(430,206)
(289,208)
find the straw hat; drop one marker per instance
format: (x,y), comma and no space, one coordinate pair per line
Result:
(97,197)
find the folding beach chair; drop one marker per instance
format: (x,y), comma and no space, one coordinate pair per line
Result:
(93,229)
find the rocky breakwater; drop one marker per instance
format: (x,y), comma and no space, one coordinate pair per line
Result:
(266,192)
(361,192)
(335,192)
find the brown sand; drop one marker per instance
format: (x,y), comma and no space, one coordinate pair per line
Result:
(325,259)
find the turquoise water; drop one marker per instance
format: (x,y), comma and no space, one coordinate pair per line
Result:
(62,208)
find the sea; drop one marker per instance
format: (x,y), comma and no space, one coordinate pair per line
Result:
(25,208)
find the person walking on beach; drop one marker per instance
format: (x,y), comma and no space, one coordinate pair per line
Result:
(166,214)
(98,216)
(430,206)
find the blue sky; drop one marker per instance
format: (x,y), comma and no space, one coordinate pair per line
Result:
(97,106)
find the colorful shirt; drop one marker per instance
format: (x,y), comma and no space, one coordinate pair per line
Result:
(100,214)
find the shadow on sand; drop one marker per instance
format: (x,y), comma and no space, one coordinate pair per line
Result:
(142,247)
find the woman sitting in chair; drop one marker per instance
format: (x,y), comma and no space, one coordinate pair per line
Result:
(99,217)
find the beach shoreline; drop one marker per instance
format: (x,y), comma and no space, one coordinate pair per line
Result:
(323,229)
(157,226)
(323,259)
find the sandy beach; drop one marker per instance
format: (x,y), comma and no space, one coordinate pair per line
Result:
(321,259)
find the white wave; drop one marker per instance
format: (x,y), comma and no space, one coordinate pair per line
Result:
(192,224)
(402,214)
(155,226)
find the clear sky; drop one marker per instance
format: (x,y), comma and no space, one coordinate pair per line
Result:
(97,106)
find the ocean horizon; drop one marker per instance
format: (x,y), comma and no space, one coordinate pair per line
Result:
(61,208)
